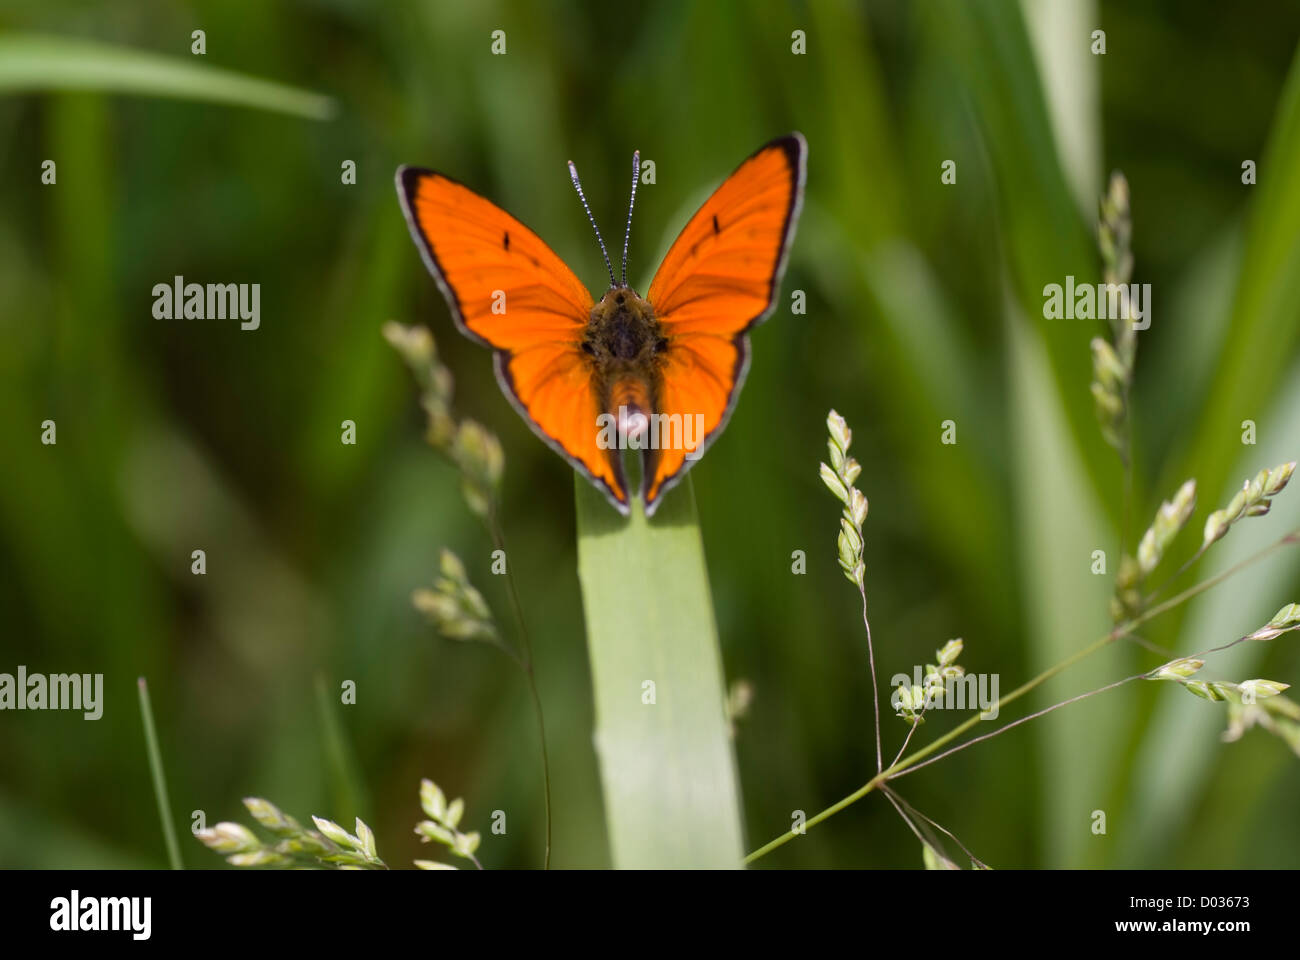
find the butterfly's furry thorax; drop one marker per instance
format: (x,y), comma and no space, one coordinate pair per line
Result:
(622,336)
(622,330)
(623,345)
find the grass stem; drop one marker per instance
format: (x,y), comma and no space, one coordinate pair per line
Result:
(526,663)
(914,759)
(159,781)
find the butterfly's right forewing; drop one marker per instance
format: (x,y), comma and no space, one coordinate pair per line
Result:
(720,278)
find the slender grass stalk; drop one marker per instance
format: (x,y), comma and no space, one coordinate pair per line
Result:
(923,752)
(525,661)
(1015,723)
(1290,538)
(662,741)
(896,796)
(875,687)
(906,740)
(911,825)
(159,781)
(1122,630)
(477,456)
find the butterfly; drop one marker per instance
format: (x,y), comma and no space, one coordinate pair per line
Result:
(660,373)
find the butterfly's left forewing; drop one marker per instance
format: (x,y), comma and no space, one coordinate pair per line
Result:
(508,289)
(720,277)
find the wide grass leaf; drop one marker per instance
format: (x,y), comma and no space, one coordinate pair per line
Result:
(667,766)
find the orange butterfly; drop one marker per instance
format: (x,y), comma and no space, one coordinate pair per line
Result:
(659,374)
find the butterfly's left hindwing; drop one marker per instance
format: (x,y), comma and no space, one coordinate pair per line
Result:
(506,288)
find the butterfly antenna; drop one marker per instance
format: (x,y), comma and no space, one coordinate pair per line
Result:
(627,234)
(577,185)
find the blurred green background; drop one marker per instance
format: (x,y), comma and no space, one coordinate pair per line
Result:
(924,304)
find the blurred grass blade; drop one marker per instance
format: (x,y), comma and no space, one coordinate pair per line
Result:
(1180,748)
(1071,80)
(1045,238)
(30,62)
(671,798)
(1252,348)
(1060,522)
(159,781)
(1264,325)
(342,781)
(931,357)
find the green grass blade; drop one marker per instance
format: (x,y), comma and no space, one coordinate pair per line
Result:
(671,798)
(1046,239)
(159,781)
(1180,753)
(1071,82)
(1264,326)
(342,782)
(31,62)
(1060,521)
